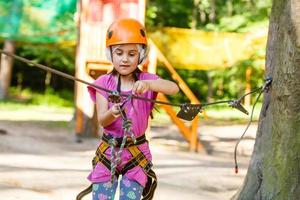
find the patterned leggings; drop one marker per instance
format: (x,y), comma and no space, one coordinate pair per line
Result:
(129,190)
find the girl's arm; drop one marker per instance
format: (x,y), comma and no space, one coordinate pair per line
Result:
(159,85)
(105,116)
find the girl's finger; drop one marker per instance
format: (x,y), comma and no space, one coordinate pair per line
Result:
(135,87)
(139,89)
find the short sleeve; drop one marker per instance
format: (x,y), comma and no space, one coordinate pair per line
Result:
(102,82)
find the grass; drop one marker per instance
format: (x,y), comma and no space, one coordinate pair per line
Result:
(27,105)
(25,112)
(49,97)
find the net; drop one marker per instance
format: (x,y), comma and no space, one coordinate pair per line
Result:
(38,21)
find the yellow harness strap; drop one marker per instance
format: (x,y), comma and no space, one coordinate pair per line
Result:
(139,159)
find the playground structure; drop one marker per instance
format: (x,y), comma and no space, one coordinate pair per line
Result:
(197,50)
(91,62)
(95,16)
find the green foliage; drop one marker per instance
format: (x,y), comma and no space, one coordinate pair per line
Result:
(232,15)
(234,78)
(218,15)
(58,57)
(228,83)
(50,97)
(173,13)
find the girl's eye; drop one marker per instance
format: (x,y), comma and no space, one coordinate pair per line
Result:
(119,53)
(132,53)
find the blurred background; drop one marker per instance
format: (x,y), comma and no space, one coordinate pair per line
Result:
(214,49)
(46,32)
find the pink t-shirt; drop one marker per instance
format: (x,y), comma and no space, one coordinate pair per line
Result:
(138,112)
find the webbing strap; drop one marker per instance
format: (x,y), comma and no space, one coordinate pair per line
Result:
(139,159)
(140,140)
(151,185)
(98,155)
(101,157)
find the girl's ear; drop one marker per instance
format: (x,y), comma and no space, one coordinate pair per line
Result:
(108,54)
(143,51)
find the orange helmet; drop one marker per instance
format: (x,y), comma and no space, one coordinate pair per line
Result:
(126,31)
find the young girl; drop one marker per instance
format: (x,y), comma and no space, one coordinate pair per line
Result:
(129,158)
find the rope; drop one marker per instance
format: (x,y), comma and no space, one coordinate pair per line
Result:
(264,88)
(115,157)
(239,140)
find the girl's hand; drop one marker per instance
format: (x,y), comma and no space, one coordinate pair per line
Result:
(140,87)
(114,110)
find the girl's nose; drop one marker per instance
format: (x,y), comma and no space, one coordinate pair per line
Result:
(125,58)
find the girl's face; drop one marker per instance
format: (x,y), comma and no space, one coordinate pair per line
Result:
(125,58)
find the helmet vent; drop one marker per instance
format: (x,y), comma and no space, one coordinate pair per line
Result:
(110,33)
(143,33)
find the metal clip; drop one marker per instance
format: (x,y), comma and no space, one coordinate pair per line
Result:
(268,84)
(114,97)
(237,104)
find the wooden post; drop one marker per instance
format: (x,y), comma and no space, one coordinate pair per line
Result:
(93,20)
(191,133)
(84,108)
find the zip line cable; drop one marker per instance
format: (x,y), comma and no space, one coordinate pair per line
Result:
(188,111)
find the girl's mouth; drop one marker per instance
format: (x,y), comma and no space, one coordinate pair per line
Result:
(124,65)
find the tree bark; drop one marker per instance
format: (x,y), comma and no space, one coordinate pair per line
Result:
(6,69)
(274,169)
(195,14)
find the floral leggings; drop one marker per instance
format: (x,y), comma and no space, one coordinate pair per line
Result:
(129,190)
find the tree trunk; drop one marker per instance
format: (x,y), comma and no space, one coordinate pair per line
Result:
(195,14)
(6,69)
(212,14)
(274,170)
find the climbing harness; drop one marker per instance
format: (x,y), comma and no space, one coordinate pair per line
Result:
(117,145)
(129,142)
(187,111)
